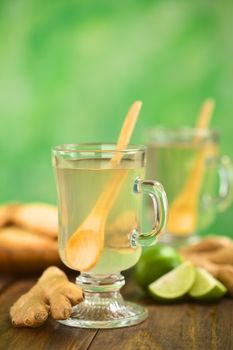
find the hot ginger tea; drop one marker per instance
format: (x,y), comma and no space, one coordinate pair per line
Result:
(81,182)
(173,164)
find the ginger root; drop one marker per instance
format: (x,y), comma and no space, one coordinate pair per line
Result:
(24,251)
(209,243)
(215,254)
(28,237)
(52,294)
(19,239)
(221,256)
(6,212)
(38,217)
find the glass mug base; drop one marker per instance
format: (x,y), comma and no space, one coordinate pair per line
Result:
(103,306)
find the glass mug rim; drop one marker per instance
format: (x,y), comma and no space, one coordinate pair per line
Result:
(165,134)
(93,147)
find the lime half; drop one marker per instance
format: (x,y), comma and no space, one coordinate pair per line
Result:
(206,287)
(175,284)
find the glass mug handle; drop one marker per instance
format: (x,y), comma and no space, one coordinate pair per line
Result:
(160,207)
(225,191)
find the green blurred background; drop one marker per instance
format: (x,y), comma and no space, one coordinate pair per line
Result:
(70,69)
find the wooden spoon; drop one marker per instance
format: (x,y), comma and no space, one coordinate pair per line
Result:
(84,247)
(183,212)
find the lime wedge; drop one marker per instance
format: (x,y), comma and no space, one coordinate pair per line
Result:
(206,287)
(154,262)
(174,284)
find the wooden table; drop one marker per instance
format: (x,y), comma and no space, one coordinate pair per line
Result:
(169,327)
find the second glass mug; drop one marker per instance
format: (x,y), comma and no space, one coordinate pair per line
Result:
(83,173)
(198,181)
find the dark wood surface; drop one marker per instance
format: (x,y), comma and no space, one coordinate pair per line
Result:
(185,326)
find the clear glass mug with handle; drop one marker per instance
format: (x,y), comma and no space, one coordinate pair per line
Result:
(86,179)
(198,180)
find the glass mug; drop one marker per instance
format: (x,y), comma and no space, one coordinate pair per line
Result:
(198,181)
(83,173)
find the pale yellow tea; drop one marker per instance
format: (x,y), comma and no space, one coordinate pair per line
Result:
(81,182)
(173,164)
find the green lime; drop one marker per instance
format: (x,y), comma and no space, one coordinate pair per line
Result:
(206,287)
(155,261)
(175,284)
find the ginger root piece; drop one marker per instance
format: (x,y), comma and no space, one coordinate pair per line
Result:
(19,239)
(52,294)
(218,250)
(6,212)
(38,217)
(4,215)
(210,243)
(23,251)
(28,237)
(225,275)
(222,255)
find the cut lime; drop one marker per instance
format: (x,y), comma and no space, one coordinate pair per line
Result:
(206,287)
(175,284)
(155,261)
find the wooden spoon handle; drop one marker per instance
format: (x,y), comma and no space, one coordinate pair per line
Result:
(193,183)
(205,114)
(185,203)
(126,131)
(110,192)
(112,188)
